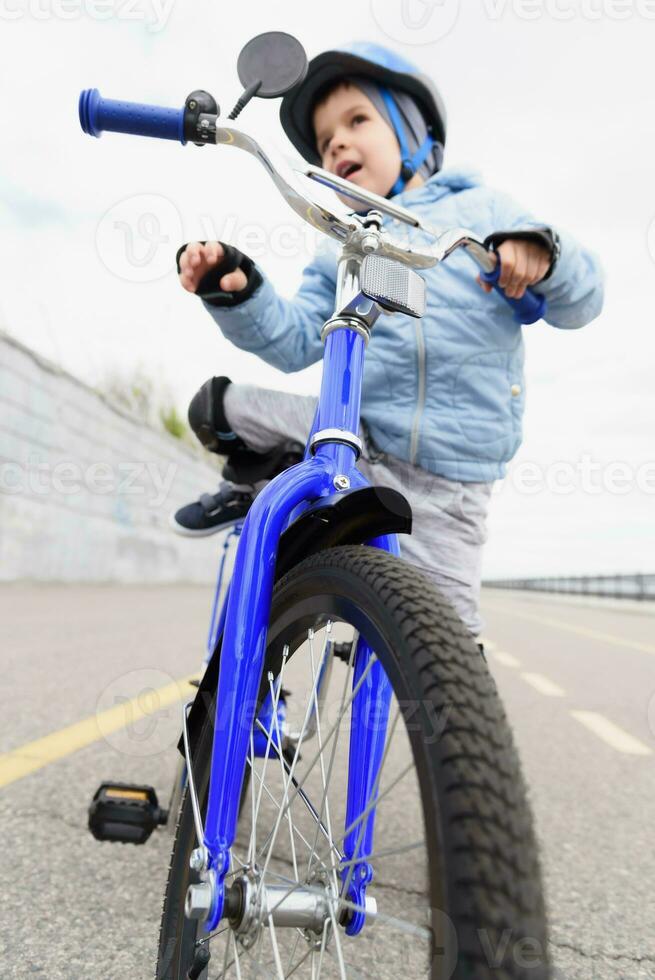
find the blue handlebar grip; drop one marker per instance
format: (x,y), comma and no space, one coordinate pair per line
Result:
(98,114)
(528,309)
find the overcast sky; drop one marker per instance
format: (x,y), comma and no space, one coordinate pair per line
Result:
(552,102)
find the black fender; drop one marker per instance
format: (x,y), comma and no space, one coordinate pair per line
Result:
(349,517)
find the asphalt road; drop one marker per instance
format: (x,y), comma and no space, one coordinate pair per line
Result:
(578,684)
(593,788)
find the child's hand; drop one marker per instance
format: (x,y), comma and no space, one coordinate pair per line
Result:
(522,264)
(197,259)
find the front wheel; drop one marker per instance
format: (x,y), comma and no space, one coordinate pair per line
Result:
(456,871)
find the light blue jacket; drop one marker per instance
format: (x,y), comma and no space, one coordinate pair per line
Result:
(446,392)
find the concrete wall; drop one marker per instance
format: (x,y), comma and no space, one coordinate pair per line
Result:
(86,489)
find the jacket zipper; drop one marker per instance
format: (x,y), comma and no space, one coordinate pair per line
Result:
(420,401)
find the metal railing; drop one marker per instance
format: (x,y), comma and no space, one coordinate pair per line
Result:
(637,586)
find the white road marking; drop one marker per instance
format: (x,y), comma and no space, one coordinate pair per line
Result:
(618,641)
(610,733)
(544,685)
(506,659)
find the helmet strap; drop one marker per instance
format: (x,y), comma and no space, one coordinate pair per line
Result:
(410,164)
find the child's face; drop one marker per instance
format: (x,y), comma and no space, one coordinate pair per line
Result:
(350,131)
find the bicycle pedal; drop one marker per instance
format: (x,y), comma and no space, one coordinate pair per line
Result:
(125,812)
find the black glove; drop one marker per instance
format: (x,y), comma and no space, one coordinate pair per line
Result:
(541,236)
(209,288)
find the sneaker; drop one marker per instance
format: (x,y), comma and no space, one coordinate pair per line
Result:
(213,511)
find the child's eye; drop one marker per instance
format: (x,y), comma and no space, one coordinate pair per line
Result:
(360,117)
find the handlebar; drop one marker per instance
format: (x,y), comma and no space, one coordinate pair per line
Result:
(528,309)
(134,118)
(98,114)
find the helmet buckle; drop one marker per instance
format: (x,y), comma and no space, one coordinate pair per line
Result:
(407,170)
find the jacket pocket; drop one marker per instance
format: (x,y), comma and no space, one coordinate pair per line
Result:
(485,387)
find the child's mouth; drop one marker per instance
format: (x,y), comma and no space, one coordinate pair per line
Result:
(347,168)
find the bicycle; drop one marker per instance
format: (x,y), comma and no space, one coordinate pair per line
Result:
(438,851)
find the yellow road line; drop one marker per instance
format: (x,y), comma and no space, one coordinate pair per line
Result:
(35,755)
(581,630)
(611,734)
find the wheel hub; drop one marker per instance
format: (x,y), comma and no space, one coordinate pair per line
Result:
(253,904)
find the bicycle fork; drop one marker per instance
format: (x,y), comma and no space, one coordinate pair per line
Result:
(237,692)
(369,717)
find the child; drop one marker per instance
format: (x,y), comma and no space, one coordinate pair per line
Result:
(442,397)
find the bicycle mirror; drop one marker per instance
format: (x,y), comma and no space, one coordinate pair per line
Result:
(268,66)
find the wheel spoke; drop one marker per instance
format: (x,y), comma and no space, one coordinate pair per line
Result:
(378,799)
(252,847)
(276,948)
(285,788)
(387,852)
(306,801)
(285,654)
(226,965)
(330,733)
(298,832)
(285,801)
(331,763)
(300,962)
(337,943)
(237,962)
(355,822)
(293,953)
(401,925)
(354,974)
(323,945)
(325,782)
(212,935)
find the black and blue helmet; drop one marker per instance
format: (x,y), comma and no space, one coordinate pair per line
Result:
(379,64)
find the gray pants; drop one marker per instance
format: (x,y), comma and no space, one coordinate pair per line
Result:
(448,528)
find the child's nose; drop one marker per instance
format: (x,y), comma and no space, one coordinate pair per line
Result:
(337,144)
